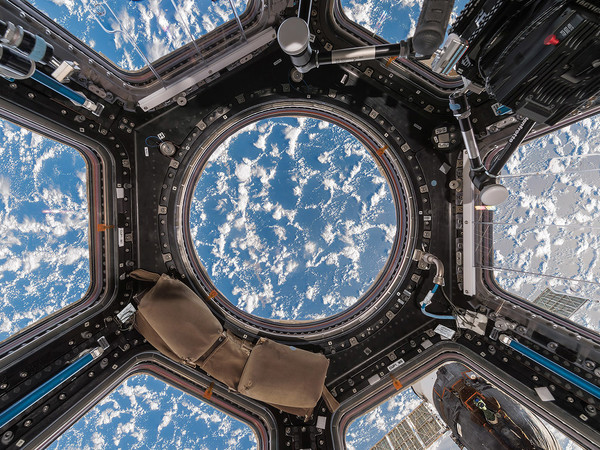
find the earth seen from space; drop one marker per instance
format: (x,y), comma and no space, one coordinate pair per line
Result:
(44,256)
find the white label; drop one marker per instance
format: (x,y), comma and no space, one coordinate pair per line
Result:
(445,332)
(321,421)
(395,365)
(120,192)
(374,379)
(124,315)
(544,394)
(121,237)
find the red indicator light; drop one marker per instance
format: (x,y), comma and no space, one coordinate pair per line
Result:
(551,40)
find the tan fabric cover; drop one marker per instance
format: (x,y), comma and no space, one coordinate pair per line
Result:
(283,376)
(302,412)
(179,318)
(181,326)
(148,332)
(144,275)
(227,361)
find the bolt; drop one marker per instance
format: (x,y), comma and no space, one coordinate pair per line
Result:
(570,399)
(7,437)
(3,386)
(62,396)
(31,95)
(27,423)
(91,374)
(591,410)
(45,409)
(13,85)
(590,365)
(23,374)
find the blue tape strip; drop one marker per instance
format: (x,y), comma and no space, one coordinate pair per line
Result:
(38,393)
(557,369)
(61,89)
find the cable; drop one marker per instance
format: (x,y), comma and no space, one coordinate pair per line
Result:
(152,145)
(426,302)
(435,316)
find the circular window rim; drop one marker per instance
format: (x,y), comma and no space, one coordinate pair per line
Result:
(392,273)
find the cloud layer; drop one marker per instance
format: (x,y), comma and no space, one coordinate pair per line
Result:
(44,252)
(292,219)
(156,26)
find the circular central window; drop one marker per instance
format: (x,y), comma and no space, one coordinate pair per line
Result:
(292,219)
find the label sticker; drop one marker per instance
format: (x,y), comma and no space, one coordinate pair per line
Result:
(445,332)
(374,379)
(121,237)
(321,422)
(395,365)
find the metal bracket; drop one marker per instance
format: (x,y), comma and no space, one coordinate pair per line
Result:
(469,280)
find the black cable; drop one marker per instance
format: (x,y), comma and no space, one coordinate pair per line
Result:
(513,143)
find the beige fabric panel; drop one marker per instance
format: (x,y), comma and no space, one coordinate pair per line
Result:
(148,332)
(144,275)
(181,326)
(181,319)
(281,375)
(226,363)
(302,412)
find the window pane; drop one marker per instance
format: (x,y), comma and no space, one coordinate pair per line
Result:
(145,412)
(390,19)
(406,421)
(114,28)
(44,255)
(546,238)
(293,219)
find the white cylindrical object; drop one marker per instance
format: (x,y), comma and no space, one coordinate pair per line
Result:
(494,194)
(293,36)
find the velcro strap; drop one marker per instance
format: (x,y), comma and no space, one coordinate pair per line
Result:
(144,275)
